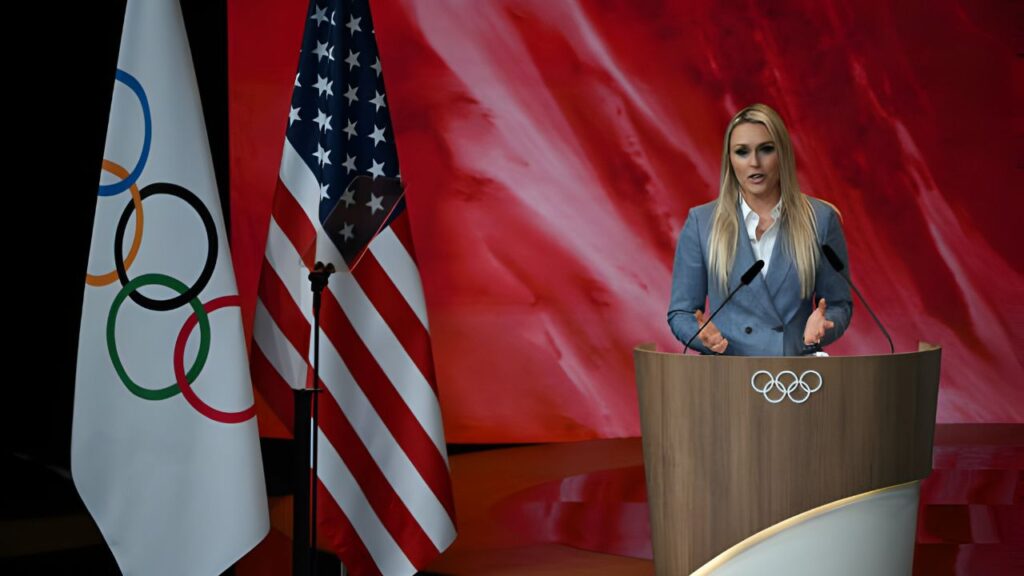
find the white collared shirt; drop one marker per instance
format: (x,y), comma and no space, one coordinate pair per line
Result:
(762,248)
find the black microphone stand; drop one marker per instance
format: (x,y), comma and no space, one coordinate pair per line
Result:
(708,320)
(307,408)
(747,278)
(837,264)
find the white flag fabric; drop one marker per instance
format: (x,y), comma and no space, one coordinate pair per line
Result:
(165,448)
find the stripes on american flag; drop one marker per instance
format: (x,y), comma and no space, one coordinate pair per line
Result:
(384,486)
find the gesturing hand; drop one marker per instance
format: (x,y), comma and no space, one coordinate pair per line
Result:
(711,337)
(817,324)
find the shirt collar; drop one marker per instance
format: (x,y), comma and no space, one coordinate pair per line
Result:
(747,211)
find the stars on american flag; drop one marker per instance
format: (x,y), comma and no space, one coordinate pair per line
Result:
(349,197)
(351,95)
(323,86)
(377,169)
(324,50)
(365,140)
(352,60)
(346,232)
(377,135)
(353,25)
(323,155)
(378,102)
(339,123)
(319,15)
(375,203)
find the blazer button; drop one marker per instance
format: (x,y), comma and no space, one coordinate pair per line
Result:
(779,328)
(748,329)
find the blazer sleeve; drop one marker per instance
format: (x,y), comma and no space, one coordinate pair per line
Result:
(689,283)
(830,285)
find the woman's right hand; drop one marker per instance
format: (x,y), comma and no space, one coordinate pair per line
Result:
(711,337)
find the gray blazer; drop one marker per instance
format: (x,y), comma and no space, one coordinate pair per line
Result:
(767,317)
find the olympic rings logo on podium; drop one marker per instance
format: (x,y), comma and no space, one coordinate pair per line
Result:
(786,384)
(186,295)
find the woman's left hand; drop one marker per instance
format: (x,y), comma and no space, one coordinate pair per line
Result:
(817,324)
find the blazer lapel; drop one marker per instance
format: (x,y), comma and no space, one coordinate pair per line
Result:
(782,264)
(758,289)
(782,281)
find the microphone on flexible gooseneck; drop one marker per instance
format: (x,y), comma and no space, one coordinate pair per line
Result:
(837,265)
(747,277)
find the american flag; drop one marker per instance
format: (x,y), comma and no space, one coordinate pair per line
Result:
(384,489)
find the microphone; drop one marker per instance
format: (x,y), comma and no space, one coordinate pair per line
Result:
(747,278)
(837,265)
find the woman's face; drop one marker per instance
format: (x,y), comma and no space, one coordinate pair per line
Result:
(755,161)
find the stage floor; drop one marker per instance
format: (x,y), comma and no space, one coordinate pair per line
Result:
(570,509)
(581,509)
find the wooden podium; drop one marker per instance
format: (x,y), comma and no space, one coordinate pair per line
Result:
(736,445)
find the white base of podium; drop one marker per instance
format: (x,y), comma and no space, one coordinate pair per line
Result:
(870,533)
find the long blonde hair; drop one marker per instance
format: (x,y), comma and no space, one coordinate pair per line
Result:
(796,214)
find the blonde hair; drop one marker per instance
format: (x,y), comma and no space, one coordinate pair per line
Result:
(797,215)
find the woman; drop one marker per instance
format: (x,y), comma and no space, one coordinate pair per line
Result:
(760,214)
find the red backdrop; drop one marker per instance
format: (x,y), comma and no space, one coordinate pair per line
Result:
(552,150)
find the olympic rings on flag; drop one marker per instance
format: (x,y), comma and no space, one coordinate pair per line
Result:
(204,336)
(211,251)
(775,390)
(127,181)
(186,294)
(183,379)
(110,277)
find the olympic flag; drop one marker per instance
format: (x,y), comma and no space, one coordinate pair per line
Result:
(165,450)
